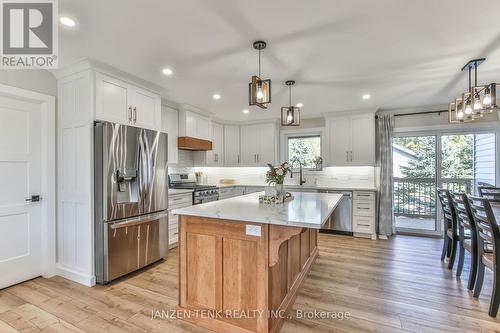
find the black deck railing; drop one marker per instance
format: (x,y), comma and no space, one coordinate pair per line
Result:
(416,197)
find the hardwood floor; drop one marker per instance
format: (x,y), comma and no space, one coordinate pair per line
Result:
(386,286)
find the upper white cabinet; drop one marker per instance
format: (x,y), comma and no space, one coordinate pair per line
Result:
(214,157)
(258,144)
(232,155)
(194,125)
(169,124)
(351,140)
(121,102)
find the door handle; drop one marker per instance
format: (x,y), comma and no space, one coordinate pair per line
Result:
(238,158)
(135,114)
(347,156)
(34,198)
(130,113)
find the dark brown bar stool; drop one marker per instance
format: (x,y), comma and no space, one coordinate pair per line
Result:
(488,248)
(467,236)
(450,227)
(490,192)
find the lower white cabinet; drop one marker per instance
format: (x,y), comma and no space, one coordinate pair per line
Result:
(363,214)
(176,201)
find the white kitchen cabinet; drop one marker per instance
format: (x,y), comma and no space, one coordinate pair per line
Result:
(113,100)
(124,103)
(176,201)
(363,214)
(232,155)
(194,125)
(351,140)
(169,124)
(258,144)
(362,140)
(214,157)
(146,108)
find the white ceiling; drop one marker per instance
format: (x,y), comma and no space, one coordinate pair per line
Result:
(404,53)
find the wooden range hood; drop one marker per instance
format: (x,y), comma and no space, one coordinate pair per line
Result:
(194,144)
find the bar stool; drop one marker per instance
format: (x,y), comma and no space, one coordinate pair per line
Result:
(488,240)
(467,236)
(450,227)
(490,192)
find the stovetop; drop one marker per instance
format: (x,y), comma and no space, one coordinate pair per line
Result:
(193,187)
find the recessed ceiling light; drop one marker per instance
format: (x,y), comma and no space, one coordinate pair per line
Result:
(299,105)
(246,111)
(366,96)
(67,21)
(167,71)
(216,96)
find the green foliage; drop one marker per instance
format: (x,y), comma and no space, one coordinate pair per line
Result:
(304,150)
(456,156)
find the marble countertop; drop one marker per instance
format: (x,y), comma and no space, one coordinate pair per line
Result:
(309,187)
(174,191)
(309,210)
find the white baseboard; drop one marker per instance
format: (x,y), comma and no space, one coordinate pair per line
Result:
(79,277)
(383,237)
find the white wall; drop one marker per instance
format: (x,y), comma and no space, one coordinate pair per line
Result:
(38,80)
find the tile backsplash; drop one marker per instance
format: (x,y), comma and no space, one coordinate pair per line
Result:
(331,176)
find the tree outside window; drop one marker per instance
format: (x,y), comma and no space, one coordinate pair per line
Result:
(304,149)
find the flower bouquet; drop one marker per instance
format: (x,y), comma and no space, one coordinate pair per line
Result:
(276,176)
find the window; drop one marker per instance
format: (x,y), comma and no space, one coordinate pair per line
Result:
(304,149)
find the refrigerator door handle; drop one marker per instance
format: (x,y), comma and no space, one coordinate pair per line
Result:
(138,220)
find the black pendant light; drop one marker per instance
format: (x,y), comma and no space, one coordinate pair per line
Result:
(290,115)
(259,90)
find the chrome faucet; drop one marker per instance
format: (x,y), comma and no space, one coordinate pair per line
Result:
(302,180)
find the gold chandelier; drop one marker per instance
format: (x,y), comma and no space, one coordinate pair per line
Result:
(478,101)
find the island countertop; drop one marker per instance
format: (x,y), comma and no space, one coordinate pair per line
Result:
(309,210)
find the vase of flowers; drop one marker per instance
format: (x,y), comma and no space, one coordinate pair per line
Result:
(276,176)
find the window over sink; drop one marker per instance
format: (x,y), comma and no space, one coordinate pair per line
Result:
(305,149)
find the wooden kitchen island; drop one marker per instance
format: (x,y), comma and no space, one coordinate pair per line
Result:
(241,263)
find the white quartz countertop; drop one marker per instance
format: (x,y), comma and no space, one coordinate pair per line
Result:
(309,210)
(174,191)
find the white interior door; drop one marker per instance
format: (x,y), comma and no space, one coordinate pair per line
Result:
(20,178)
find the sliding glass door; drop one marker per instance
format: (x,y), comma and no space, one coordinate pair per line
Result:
(422,163)
(414,171)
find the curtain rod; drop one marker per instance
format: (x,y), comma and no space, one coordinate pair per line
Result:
(418,113)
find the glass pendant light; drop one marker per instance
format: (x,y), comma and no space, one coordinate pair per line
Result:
(290,115)
(259,90)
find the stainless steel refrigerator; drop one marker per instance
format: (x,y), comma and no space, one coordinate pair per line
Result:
(130,199)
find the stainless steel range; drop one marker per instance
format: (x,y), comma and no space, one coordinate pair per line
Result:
(201,193)
(130,199)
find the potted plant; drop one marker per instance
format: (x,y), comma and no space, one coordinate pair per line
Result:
(318,162)
(276,176)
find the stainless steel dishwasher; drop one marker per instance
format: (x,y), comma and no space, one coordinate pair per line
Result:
(341,220)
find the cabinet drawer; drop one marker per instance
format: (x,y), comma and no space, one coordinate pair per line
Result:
(362,224)
(179,201)
(363,208)
(369,196)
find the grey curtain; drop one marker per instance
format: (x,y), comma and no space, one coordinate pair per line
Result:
(384,133)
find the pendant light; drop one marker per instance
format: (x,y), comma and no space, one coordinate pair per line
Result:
(290,115)
(478,101)
(259,90)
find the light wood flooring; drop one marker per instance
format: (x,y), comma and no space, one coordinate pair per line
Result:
(386,286)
